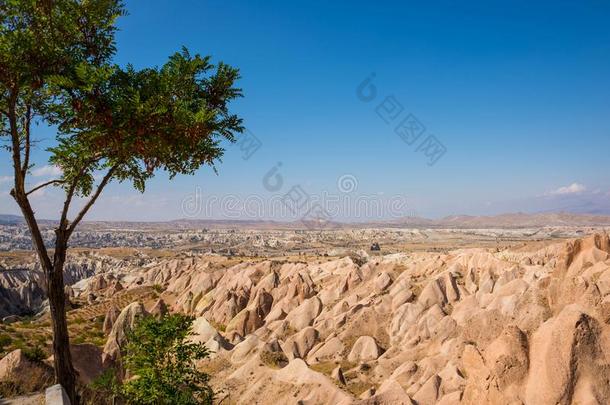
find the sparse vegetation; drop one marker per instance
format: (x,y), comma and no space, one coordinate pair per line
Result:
(36,379)
(102,390)
(35,354)
(274,359)
(218,326)
(325,367)
(5,340)
(214,365)
(158,288)
(348,343)
(357,387)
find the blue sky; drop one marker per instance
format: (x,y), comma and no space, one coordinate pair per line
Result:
(517,93)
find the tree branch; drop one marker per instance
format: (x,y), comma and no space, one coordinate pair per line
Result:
(63,224)
(18,192)
(26,154)
(48,183)
(92,200)
(16,144)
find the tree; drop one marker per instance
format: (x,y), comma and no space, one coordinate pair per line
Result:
(113,123)
(162,363)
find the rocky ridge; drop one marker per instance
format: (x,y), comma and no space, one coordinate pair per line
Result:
(470,326)
(527,325)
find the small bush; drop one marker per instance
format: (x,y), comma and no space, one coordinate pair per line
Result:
(78,321)
(5,340)
(218,326)
(162,362)
(102,390)
(77,340)
(35,354)
(274,359)
(158,288)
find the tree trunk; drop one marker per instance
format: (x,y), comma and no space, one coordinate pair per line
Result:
(54,277)
(64,370)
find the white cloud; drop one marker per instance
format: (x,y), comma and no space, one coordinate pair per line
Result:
(574,188)
(5,179)
(47,170)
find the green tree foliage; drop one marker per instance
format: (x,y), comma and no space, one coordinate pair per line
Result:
(130,123)
(162,362)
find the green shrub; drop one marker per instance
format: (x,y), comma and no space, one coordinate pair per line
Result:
(5,340)
(158,354)
(35,354)
(102,390)
(274,359)
(158,288)
(218,326)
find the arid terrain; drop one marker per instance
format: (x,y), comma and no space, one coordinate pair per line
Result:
(512,313)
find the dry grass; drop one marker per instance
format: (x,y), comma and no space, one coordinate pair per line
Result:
(30,334)
(37,378)
(215,366)
(17,257)
(357,387)
(121,299)
(327,367)
(274,360)
(218,326)
(348,344)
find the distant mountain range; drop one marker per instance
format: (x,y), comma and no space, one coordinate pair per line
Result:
(10,219)
(517,220)
(7,219)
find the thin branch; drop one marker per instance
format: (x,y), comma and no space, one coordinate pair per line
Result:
(16,149)
(63,223)
(48,183)
(92,200)
(18,192)
(26,154)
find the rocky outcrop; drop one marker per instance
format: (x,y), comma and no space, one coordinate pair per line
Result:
(22,288)
(110,318)
(467,327)
(159,309)
(121,327)
(568,364)
(21,292)
(14,363)
(203,332)
(365,349)
(87,361)
(23,374)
